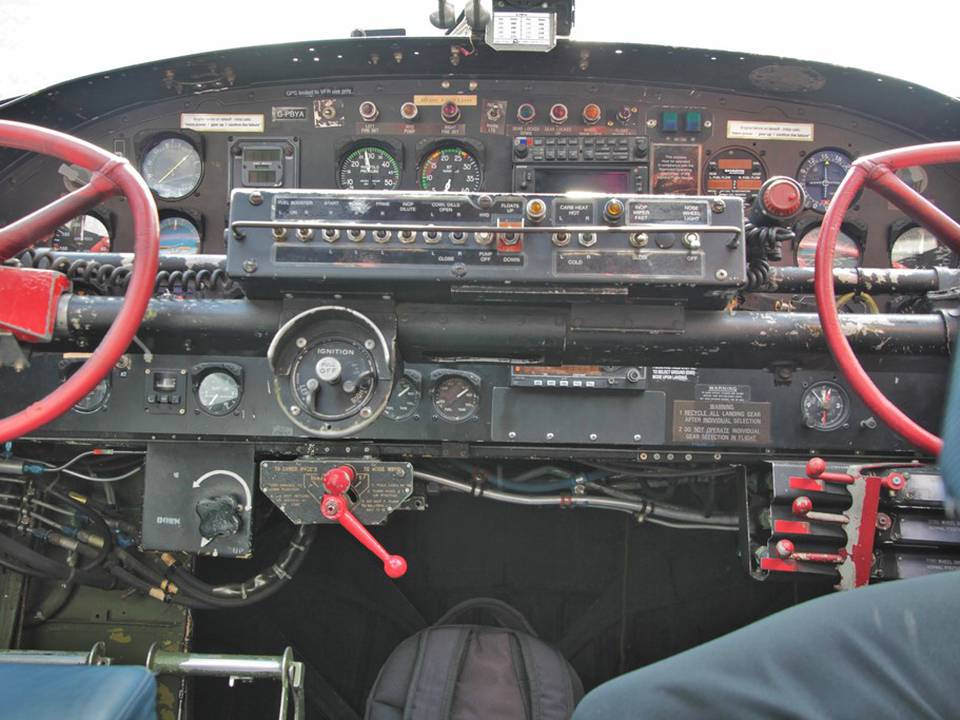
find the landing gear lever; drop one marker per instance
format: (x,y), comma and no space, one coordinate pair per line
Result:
(337,482)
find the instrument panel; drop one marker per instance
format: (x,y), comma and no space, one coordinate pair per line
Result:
(495,135)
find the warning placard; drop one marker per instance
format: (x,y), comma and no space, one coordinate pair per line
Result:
(724,423)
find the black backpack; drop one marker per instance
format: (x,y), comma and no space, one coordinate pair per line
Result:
(454,671)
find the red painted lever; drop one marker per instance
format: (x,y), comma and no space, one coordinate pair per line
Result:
(334,507)
(817,469)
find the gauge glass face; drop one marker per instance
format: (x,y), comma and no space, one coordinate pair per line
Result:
(404,401)
(820,174)
(916,177)
(95,399)
(218,392)
(369,168)
(172,168)
(456,399)
(916,247)
(450,169)
(735,171)
(86,233)
(824,406)
(179,236)
(846,255)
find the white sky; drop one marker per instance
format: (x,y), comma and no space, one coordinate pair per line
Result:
(46,41)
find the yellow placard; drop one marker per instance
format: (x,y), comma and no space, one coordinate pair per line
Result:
(462,100)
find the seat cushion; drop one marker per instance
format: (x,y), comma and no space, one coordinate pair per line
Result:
(55,692)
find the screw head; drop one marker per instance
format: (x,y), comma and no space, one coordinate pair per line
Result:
(249,266)
(638,437)
(550,436)
(294,410)
(301,342)
(722,274)
(718,206)
(369,343)
(593,436)
(366,412)
(256,198)
(511,435)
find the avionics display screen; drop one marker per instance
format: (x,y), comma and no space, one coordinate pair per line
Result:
(551,180)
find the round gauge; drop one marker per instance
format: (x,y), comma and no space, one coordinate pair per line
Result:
(172,168)
(821,173)
(735,171)
(405,400)
(916,247)
(824,406)
(455,398)
(369,167)
(179,236)
(916,177)
(218,392)
(95,399)
(85,233)
(450,169)
(846,255)
(333,378)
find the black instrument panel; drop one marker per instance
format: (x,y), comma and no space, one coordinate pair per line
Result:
(496,135)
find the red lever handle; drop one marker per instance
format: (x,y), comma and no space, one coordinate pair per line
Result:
(333,506)
(817,469)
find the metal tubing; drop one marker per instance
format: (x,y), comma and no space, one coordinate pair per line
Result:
(164,662)
(600,333)
(870,280)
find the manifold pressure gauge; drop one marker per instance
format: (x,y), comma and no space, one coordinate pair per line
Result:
(333,370)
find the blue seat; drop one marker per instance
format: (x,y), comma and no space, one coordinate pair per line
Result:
(57,692)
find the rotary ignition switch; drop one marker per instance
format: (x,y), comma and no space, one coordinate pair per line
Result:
(334,377)
(334,506)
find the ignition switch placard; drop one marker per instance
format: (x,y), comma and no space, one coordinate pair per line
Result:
(721,422)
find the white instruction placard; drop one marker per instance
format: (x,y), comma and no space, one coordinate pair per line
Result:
(757,130)
(522,28)
(222,122)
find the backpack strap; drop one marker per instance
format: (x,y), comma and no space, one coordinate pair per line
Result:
(439,659)
(552,693)
(506,615)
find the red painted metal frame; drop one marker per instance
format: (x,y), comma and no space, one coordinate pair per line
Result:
(112,175)
(30,301)
(878,172)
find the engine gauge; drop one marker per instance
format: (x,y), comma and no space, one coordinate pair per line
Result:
(369,167)
(172,168)
(821,173)
(85,233)
(916,177)
(916,247)
(734,171)
(824,406)
(179,236)
(846,254)
(450,169)
(218,392)
(405,399)
(95,399)
(456,398)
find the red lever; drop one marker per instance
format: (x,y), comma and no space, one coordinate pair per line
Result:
(817,469)
(334,507)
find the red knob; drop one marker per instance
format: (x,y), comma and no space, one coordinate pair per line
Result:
(782,197)
(450,112)
(339,479)
(802,505)
(785,548)
(816,467)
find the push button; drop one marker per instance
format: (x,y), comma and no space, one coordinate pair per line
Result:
(669,121)
(693,122)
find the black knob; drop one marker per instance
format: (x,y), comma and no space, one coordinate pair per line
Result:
(219,516)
